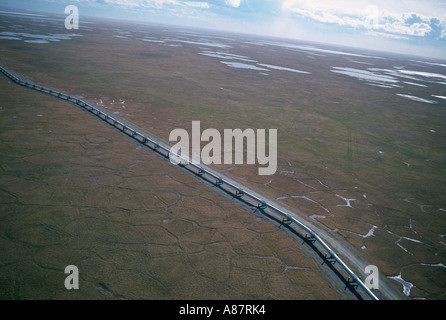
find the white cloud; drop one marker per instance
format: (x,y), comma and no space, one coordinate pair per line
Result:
(159,4)
(383,34)
(233,3)
(329,17)
(416,29)
(135,3)
(396,20)
(198,4)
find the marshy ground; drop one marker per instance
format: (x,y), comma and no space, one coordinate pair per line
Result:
(358,155)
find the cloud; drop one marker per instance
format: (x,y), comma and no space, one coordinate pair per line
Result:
(385,35)
(159,4)
(197,4)
(233,3)
(416,29)
(148,4)
(393,21)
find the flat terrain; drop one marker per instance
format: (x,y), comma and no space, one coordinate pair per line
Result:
(75,191)
(358,156)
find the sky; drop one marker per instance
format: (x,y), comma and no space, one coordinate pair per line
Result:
(404,26)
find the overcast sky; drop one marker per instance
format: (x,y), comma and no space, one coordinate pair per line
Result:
(405,26)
